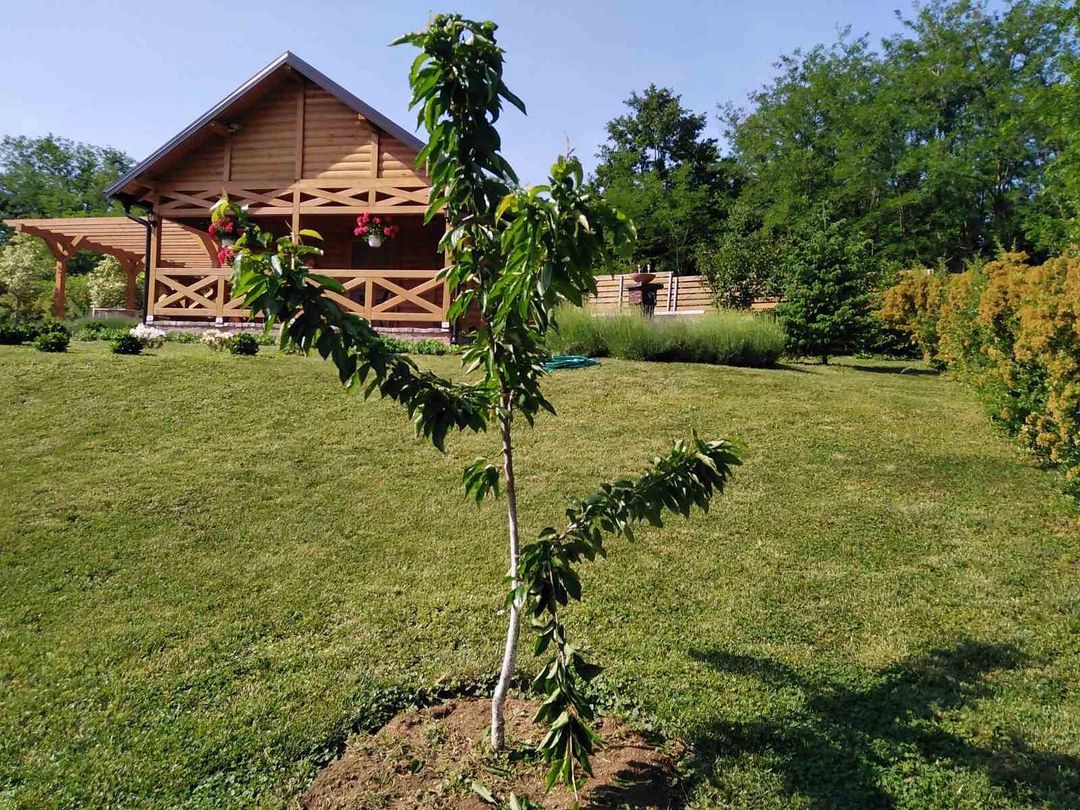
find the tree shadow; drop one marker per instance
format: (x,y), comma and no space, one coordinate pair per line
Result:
(832,749)
(904,371)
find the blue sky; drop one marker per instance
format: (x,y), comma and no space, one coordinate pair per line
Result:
(131,75)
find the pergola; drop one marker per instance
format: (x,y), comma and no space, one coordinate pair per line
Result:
(115,236)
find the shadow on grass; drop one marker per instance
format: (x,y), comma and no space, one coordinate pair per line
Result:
(905,371)
(834,747)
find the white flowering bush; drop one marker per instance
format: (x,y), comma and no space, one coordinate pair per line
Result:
(216,339)
(107,283)
(150,336)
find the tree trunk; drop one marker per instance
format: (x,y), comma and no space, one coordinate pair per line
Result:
(498,700)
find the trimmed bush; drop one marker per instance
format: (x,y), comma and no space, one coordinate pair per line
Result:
(720,338)
(127,344)
(243,344)
(12,334)
(54,341)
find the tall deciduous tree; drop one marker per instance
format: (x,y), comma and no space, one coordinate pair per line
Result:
(515,254)
(658,167)
(935,146)
(57,177)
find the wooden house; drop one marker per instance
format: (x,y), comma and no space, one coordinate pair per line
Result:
(301,152)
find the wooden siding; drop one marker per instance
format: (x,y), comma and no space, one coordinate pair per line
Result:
(297,137)
(337,144)
(677,295)
(265,146)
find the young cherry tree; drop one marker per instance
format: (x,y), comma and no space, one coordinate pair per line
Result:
(515,255)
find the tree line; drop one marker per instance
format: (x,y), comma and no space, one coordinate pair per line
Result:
(948,141)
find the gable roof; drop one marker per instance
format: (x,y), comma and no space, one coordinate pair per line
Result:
(287,59)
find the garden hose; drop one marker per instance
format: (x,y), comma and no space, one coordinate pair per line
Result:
(561,361)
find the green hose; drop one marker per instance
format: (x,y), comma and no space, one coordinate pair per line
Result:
(561,361)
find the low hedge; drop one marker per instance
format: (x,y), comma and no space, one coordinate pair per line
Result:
(1011,329)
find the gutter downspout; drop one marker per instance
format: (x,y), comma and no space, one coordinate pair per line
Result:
(148,223)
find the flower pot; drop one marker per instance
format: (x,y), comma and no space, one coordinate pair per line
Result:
(374,240)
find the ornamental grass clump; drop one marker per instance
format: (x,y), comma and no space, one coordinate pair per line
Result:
(515,254)
(719,338)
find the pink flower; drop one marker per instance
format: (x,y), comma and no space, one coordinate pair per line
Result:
(213,229)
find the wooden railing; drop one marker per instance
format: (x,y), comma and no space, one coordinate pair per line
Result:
(385,297)
(385,195)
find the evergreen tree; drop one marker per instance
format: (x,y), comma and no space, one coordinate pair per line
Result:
(826,305)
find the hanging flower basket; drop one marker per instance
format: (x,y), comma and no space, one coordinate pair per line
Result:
(376,229)
(228,221)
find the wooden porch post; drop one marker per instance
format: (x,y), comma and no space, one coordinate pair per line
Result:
(61,286)
(155,261)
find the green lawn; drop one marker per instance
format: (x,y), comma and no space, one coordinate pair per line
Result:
(211,567)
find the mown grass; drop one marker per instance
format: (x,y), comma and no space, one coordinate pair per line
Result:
(211,567)
(719,338)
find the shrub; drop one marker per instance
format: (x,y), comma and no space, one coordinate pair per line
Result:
(720,338)
(25,268)
(1013,331)
(48,327)
(52,341)
(424,346)
(243,344)
(150,336)
(12,334)
(127,344)
(215,339)
(107,284)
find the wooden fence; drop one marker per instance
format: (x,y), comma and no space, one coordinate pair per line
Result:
(678,295)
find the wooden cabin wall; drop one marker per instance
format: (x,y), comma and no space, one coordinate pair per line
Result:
(415,248)
(337,144)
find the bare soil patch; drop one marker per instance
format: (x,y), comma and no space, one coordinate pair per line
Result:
(430,757)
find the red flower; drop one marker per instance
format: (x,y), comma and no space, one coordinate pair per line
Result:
(213,229)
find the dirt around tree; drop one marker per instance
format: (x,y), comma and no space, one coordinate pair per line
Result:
(430,758)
